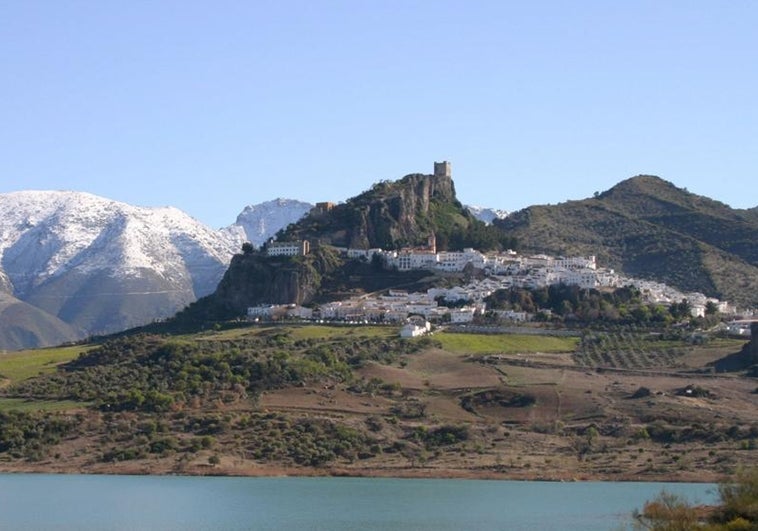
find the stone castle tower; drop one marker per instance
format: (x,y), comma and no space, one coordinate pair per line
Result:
(442,169)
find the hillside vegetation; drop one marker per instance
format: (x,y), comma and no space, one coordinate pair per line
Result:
(306,399)
(648,228)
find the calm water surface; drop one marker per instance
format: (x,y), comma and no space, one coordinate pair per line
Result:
(70,502)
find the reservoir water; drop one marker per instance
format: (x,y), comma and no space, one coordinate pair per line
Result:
(79,502)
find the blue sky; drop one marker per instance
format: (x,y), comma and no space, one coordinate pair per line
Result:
(210,106)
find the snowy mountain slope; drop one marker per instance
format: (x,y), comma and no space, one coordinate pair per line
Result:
(487,214)
(260,222)
(46,234)
(102,265)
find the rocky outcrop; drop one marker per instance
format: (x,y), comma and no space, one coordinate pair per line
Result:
(389,215)
(254,279)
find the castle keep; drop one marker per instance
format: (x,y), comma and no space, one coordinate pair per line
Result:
(442,169)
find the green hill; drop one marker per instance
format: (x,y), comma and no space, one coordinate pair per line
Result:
(647,227)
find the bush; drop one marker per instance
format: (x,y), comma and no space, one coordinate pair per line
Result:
(740,498)
(738,509)
(668,512)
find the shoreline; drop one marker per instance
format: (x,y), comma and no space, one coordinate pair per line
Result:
(273,471)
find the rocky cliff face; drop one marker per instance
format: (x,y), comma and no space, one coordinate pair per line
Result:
(388,215)
(254,279)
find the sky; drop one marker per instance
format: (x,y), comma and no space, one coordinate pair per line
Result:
(211,106)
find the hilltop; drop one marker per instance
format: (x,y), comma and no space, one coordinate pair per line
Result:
(391,215)
(394,214)
(648,228)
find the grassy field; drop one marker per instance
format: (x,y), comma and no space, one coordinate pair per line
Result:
(301,332)
(17,366)
(327,332)
(504,343)
(21,404)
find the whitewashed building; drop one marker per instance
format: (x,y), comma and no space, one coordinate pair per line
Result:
(297,248)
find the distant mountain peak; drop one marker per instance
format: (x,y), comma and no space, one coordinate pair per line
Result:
(486,214)
(261,221)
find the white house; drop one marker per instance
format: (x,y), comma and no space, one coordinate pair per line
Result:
(462,315)
(298,248)
(415,328)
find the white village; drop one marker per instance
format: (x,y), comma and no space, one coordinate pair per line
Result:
(461,304)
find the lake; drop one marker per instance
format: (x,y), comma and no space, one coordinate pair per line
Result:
(81,502)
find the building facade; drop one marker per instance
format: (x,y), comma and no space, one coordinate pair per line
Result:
(298,248)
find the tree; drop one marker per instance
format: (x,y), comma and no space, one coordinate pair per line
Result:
(681,310)
(247,248)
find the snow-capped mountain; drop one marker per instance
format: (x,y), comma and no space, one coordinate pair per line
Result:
(73,264)
(101,265)
(260,222)
(487,215)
